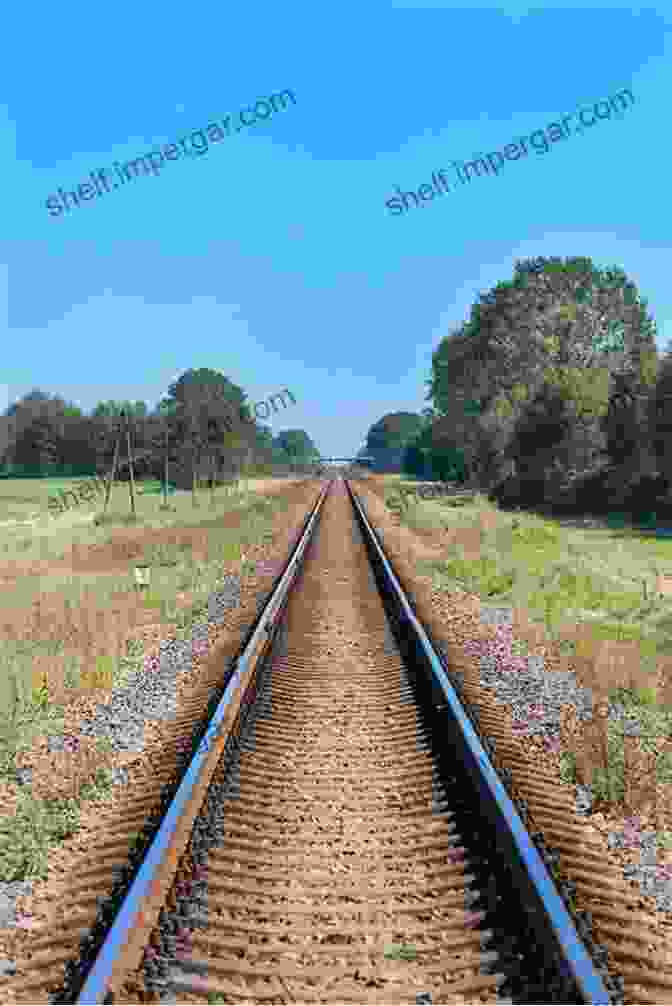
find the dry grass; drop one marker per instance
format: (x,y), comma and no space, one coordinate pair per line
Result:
(596,592)
(74,624)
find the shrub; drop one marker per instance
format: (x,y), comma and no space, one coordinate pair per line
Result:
(481,576)
(568,767)
(26,835)
(99,787)
(536,534)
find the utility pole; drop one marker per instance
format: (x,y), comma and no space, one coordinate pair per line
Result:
(131,483)
(114,469)
(213,477)
(165,467)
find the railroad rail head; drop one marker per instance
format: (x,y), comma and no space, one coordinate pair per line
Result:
(572,974)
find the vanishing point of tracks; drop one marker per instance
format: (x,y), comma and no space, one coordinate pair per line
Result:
(340,835)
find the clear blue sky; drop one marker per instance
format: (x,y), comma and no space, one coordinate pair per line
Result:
(273,258)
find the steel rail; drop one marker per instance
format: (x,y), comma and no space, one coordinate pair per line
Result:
(553,922)
(142,892)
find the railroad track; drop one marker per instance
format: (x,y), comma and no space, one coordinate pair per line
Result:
(340,834)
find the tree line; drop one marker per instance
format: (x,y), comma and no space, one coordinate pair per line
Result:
(203,428)
(552,393)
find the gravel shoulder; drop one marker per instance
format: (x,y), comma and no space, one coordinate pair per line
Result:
(540,691)
(83,754)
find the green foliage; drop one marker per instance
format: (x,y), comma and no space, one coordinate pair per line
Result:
(536,556)
(538,534)
(112,408)
(455,503)
(608,782)
(398,438)
(401,952)
(520,392)
(571,590)
(297,446)
(422,518)
(99,788)
(155,488)
(648,368)
(481,576)
(555,588)
(586,387)
(554,265)
(165,555)
(551,344)
(567,312)
(396,501)
(664,768)
(104,744)
(448,464)
(557,307)
(503,407)
(40,697)
(415,461)
(136,841)
(568,767)
(645,696)
(25,837)
(614,340)
(396,429)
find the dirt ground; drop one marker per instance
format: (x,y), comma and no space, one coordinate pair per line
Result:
(53,772)
(90,630)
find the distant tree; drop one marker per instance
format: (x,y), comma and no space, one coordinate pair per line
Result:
(394,430)
(113,409)
(42,432)
(565,324)
(388,438)
(207,385)
(297,446)
(30,401)
(209,415)
(37,447)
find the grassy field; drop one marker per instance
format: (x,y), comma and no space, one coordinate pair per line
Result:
(597,590)
(72,611)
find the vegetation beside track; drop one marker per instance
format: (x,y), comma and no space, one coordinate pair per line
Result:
(599,592)
(54,652)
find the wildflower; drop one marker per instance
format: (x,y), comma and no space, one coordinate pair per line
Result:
(553,744)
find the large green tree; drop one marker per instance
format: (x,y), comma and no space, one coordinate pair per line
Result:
(579,332)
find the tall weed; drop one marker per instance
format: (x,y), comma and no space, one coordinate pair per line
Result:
(26,835)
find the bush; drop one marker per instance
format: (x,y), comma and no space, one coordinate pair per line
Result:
(482,576)
(25,837)
(536,534)
(568,767)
